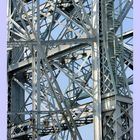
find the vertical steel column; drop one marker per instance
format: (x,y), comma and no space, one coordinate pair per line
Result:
(35,95)
(114,89)
(38,71)
(34,77)
(34,82)
(15,92)
(96,74)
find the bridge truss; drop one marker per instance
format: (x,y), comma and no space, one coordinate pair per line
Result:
(70,64)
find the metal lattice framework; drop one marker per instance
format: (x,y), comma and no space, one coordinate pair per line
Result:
(70,64)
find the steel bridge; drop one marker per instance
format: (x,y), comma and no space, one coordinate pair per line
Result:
(70,64)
